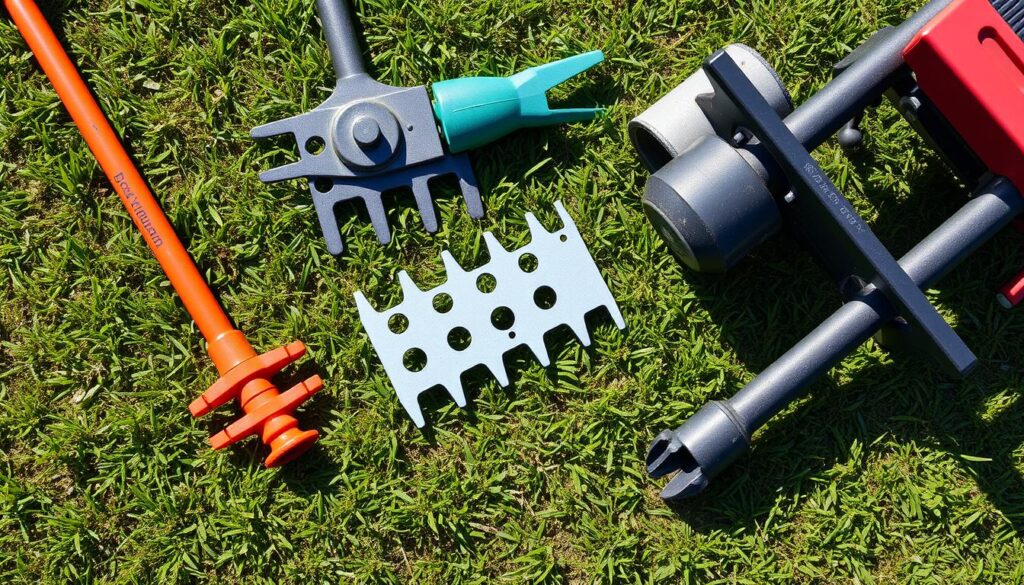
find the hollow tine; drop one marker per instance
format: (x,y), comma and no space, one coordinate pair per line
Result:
(570,115)
(544,77)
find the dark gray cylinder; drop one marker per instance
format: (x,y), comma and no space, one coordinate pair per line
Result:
(710,206)
(856,321)
(707,442)
(825,112)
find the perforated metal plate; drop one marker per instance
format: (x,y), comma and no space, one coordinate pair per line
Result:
(551,281)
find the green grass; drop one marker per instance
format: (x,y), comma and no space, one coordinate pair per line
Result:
(889,472)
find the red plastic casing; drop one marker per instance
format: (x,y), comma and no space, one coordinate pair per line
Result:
(970,63)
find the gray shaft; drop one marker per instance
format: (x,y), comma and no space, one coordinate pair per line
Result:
(995,206)
(340,31)
(854,89)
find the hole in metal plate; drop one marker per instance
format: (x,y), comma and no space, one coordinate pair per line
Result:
(545,297)
(459,338)
(486,283)
(398,323)
(415,360)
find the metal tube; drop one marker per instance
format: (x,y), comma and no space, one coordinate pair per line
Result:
(856,321)
(854,89)
(812,123)
(991,209)
(782,382)
(340,32)
(720,431)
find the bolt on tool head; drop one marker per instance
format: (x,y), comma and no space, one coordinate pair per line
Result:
(368,137)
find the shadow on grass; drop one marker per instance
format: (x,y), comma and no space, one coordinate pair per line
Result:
(909,399)
(818,435)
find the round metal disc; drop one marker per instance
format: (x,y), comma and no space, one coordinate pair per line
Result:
(366,135)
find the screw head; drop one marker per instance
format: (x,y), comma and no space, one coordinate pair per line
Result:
(366,132)
(366,135)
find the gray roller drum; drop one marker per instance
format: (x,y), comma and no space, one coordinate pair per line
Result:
(675,122)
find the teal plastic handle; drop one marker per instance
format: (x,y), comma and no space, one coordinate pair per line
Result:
(474,111)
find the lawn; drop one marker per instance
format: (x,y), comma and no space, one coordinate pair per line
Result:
(888,472)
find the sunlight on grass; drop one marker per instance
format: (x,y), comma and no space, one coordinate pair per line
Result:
(889,472)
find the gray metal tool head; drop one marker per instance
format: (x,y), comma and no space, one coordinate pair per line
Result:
(709,200)
(365,139)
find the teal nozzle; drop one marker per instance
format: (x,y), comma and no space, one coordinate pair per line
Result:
(476,110)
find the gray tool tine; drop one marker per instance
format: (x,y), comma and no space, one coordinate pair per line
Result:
(365,139)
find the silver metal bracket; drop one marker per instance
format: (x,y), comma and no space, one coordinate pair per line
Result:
(432,337)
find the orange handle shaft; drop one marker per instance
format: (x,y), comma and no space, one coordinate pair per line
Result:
(267,408)
(115,162)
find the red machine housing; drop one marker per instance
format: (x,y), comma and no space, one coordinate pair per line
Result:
(970,63)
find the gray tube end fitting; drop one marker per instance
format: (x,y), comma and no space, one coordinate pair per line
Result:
(710,206)
(698,450)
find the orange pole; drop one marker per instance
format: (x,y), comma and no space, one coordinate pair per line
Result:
(129,184)
(228,347)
